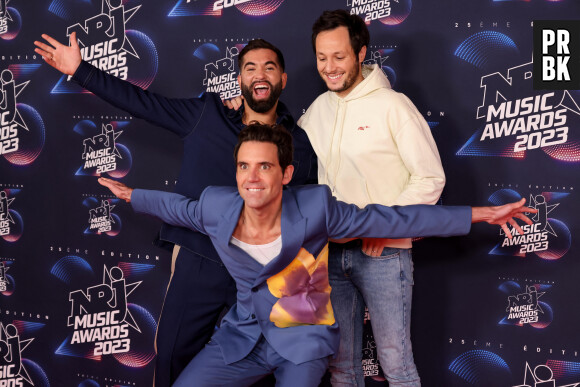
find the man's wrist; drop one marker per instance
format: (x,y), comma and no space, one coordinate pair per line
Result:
(129,194)
(480,214)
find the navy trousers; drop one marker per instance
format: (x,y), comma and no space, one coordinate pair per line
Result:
(198,293)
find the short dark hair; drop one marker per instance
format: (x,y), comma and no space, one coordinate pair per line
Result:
(275,134)
(357,29)
(261,43)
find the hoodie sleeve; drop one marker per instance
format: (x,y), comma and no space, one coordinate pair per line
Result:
(421,158)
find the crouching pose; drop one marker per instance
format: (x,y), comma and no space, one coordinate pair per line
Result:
(274,242)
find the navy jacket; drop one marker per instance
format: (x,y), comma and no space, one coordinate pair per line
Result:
(288,300)
(209,133)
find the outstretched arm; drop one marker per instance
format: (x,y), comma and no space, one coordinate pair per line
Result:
(171,208)
(118,189)
(502,215)
(376,221)
(65,59)
(179,115)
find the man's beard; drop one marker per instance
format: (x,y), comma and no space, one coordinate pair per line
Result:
(264,105)
(351,78)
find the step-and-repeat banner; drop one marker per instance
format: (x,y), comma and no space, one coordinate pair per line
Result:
(81,284)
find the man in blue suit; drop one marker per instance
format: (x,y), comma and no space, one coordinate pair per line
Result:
(274,243)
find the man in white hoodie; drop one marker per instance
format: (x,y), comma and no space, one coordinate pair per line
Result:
(373,146)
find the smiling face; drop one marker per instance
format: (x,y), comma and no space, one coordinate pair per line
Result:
(261,79)
(336,61)
(259,175)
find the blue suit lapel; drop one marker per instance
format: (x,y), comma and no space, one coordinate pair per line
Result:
(228,221)
(293,227)
(225,229)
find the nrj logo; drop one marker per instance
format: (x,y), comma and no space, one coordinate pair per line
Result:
(101,218)
(523,305)
(103,40)
(21,127)
(547,237)
(370,364)
(100,153)
(515,118)
(102,321)
(4,281)
(10,21)
(536,234)
(4,16)
(379,57)
(10,118)
(12,370)
(390,12)
(11,224)
(108,44)
(541,376)
(100,316)
(221,75)
(5,217)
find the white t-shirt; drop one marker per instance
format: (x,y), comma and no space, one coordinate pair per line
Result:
(261,253)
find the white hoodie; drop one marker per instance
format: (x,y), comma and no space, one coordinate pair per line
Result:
(373,146)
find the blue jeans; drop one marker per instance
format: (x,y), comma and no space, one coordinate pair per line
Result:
(384,284)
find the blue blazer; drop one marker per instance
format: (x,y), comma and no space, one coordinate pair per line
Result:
(288,300)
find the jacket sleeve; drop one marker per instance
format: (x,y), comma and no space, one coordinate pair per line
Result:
(179,115)
(420,156)
(377,221)
(171,208)
(305,160)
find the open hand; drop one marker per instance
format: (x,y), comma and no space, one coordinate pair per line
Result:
(65,59)
(118,189)
(503,215)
